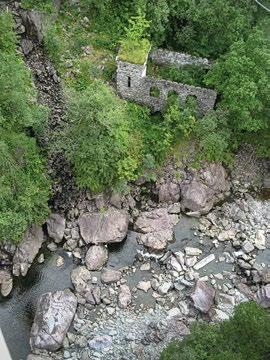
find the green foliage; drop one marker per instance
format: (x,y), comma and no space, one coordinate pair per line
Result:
(243,337)
(214,136)
(242,78)
(54,43)
(40,5)
(209,27)
(189,74)
(8,39)
(102,147)
(24,188)
(135,47)
(18,104)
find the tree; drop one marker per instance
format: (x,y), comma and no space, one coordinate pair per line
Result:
(242,79)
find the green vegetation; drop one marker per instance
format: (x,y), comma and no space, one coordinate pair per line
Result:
(40,5)
(243,337)
(135,47)
(24,188)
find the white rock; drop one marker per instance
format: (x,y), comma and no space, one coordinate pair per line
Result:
(164,287)
(190,251)
(175,264)
(144,285)
(204,261)
(174,312)
(260,240)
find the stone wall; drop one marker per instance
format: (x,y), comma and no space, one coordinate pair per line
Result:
(165,57)
(133,84)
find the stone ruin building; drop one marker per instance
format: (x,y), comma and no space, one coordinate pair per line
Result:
(134,84)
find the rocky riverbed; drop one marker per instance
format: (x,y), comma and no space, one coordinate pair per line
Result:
(147,264)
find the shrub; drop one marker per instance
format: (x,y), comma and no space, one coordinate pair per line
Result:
(243,337)
(135,47)
(102,145)
(24,188)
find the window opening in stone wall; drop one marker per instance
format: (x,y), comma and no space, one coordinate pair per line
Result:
(154,91)
(129,81)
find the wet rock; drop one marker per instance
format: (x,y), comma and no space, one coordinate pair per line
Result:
(124,297)
(27,250)
(56,227)
(207,186)
(169,193)
(101,343)
(203,297)
(82,280)
(6,282)
(54,315)
(96,257)
(263,296)
(27,46)
(109,276)
(108,227)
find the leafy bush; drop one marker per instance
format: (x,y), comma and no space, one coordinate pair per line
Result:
(135,47)
(40,5)
(243,337)
(103,147)
(24,188)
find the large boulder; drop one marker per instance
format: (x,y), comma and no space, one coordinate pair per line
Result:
(54,315)
(81,279)
(56,225)
(156,227)
(6,282)
(27,250)
(203,297)
(103,228)
(169,192)
(204,189)
(263,296)
(34,24)
(96,257)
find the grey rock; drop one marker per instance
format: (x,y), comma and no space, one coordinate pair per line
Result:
(56,227)
(27,250)
(100,343)
(108,227)
(263,296)
(82,281)
(124,297)
(33,23)
(38,357)
(109,276)
(6,282)
(156,240)
(203,297)
(144,285)
(169,193)
(207,186)
(155,220)
(96,257)
(54,315)
(27,46)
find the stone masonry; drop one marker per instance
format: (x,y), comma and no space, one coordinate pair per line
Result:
(133,84)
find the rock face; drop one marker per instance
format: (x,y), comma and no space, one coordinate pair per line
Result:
(81,279)
(54,315)
(263,296)
(32,20)
(204,189)
(203,297)
(156,227)
(6,282)
(56,227)
(96,257)
(109,227)
(27,250)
